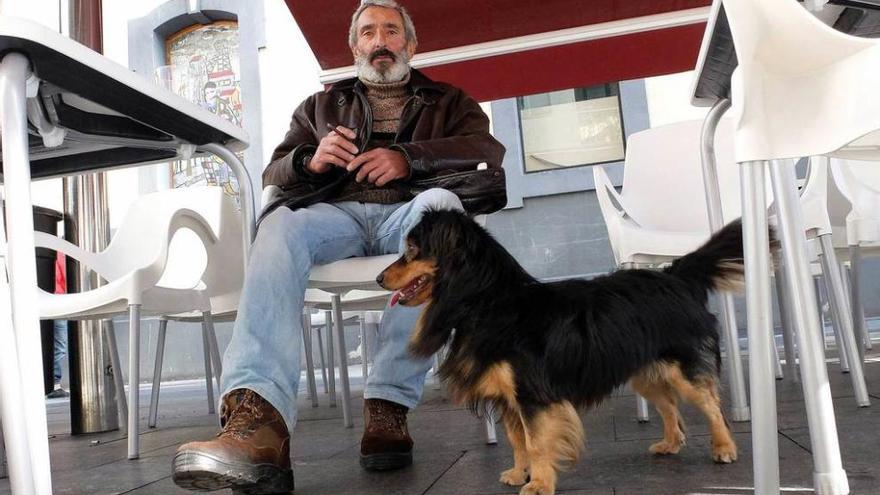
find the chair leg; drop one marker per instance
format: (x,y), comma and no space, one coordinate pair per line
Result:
(642,413)
(760,324)
(836,324)
(820,295)
(331,367)
(157,373)
(321,355)
(310,365)
(363,326)
(3,473)
(837,296)
(134,352)
(343,361)
(489,424)
(828,473)
(209,381)
(739,400)
(118,380)
(786,321)
(858,308)
(777,362)
(216,359)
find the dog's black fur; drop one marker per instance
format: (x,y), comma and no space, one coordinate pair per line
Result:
(572,341)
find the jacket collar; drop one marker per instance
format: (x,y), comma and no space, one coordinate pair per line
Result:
(419,83)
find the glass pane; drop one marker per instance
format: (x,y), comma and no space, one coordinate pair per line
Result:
(572,128)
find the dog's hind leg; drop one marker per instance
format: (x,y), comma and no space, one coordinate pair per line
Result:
(653,386)
(554,439)
(516,476)
(703,393)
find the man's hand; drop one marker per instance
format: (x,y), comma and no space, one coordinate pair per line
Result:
(335,148)
(380,166)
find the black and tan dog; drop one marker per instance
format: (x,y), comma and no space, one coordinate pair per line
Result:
(539,351)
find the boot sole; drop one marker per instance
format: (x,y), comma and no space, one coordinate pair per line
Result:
(386,461)
(200,472)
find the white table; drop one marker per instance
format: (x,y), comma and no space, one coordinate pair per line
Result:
(65,109)
(711,87)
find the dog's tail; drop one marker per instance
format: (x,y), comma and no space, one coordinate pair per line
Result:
(717,264)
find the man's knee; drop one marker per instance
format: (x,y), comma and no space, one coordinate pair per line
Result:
(439,199)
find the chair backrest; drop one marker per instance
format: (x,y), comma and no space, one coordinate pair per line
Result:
(222,258)
(663,177)
(781,35)
(148,231)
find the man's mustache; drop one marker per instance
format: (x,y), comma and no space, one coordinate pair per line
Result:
(383,52)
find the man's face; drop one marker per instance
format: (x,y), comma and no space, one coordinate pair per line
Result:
(382,53)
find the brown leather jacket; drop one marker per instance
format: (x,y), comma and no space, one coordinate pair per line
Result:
(442,130)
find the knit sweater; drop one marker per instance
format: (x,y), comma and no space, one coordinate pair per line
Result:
(386,102)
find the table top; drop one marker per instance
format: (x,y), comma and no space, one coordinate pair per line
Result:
(111,115)
(717,59)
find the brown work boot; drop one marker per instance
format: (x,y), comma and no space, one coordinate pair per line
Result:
(386,443)
(251,454)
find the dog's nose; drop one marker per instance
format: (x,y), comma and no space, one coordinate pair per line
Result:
(380,278)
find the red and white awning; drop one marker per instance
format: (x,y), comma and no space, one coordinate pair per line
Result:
(501,48)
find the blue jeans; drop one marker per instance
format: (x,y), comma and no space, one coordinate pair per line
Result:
(264,353)
(60,330)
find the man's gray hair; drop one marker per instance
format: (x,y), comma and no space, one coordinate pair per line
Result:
(408,28)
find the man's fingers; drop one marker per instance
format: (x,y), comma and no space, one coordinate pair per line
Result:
(340,152)
(365,170)
(387,177)
(345,131)
(360,160)
(343,143)
(378,172)
(326,158)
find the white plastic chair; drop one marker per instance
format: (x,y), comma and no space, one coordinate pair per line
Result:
(661,215)
(858,184)
(221,281)
(801,89)
(143,278)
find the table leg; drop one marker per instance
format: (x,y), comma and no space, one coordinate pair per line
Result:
(246,192)
(762,383)
(828,475)
(21,262)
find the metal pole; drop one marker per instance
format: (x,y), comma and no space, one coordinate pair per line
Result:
(828,475)
(339,323)
(765,445)
(93,406)
(738,398)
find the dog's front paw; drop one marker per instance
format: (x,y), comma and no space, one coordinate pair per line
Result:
(664,447)
(724,453)
(513,477)
(538,487)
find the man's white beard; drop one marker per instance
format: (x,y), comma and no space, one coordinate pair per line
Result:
(396,72)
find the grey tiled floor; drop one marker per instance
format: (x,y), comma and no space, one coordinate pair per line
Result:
(451,457)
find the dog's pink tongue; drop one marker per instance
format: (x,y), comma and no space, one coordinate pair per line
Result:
(395,297)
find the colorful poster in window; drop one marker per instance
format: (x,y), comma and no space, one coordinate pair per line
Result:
(204,68)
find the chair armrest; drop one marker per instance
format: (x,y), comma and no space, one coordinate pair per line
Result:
(88,259)
(607,194)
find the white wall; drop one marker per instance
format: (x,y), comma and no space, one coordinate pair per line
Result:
(288,73)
